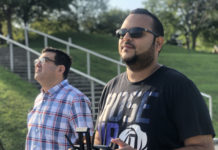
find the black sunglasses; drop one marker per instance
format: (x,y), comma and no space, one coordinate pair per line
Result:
(135,32)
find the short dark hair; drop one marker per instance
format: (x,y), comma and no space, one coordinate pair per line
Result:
(61,58)
(157,25)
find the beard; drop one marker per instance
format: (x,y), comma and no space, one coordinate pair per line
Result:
(140,61)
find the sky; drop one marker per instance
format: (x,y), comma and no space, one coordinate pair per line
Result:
(126,4)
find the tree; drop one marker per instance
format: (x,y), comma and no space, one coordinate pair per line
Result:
(211,33)
(109,21)
(86,12)
(193,16)
(29,9)
(166,17)
(8,9)
(1,20)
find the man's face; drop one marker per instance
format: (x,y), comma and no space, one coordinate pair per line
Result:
(45,70)
(139,51)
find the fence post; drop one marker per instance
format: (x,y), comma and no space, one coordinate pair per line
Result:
(26,36)
(93,98)
(45,41)
(11,57)
(68,47)
(210,107)
(88,63)
(118,67)
(27,53)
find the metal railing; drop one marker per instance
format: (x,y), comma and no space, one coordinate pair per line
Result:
(69,44)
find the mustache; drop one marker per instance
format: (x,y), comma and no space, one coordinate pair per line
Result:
(129,43)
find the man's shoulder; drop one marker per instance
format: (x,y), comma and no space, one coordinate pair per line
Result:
(172,74)
(173,78)
(73,92)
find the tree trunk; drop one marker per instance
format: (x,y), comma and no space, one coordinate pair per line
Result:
(187,38)
(1,32)
(9,23)
(194,38)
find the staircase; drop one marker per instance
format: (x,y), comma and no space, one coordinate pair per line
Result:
(20,68)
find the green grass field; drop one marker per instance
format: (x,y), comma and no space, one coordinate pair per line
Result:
(16,99)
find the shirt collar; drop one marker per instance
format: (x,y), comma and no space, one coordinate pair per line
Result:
(56,88)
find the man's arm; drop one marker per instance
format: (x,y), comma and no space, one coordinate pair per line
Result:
(201,142)
(97,139)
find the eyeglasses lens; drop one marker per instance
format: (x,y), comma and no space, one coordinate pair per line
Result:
(136,32)
(41,60)
(133,32)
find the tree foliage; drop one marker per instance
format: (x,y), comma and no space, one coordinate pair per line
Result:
(111,20)
(210,34)
(7,8)
(29,10)
(190,17)
(86,12)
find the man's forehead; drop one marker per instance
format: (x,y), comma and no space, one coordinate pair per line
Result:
(137,20)
(48,54)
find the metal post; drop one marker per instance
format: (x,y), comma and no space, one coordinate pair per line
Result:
(45,41)
(28,66)
(27,53)
(68,47)
(118,69)
(11,56)
(210,107)
(93,97)
(88,63)
(26,36)
(210,103)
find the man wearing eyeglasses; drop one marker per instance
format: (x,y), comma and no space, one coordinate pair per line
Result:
(151,106)
(60,108)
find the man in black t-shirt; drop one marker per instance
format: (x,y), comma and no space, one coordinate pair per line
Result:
(151,106)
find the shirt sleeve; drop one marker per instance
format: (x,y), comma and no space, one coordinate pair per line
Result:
(80,115)
(190,111)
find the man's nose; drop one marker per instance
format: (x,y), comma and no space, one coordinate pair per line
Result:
(127,36)
(38,64)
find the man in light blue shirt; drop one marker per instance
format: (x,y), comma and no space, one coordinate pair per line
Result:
(59,109)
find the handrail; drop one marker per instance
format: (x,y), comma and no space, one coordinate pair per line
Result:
(37,53)
(94,53)
(75,46)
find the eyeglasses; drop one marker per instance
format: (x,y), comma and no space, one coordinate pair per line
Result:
(135,32)
(42,60)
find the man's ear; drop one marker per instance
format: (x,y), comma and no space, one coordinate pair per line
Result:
(159,43)
(61,69)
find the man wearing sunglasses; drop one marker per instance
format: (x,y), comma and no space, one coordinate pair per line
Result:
(151,106)
(60,108)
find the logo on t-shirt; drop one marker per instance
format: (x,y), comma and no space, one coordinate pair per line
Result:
(135,137)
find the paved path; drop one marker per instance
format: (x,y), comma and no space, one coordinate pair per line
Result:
(216,147)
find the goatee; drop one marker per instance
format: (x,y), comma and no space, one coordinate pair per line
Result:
(140,61)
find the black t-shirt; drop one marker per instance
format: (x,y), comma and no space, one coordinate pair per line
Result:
(158,113)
